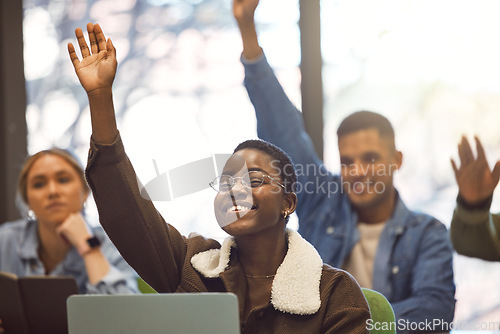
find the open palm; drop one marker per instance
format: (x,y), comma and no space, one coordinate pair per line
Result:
(476,182)
(97,68)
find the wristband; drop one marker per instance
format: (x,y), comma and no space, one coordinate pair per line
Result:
(482,205)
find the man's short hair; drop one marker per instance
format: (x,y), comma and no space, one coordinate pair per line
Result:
(362,120)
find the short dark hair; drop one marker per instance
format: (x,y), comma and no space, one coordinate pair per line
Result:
(362,120)
(284,162)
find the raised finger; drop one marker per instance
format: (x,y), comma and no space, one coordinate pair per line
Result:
(496,172)
(82,43)
(101,40)
(93,43)
(465,152)
(481,156)
(72,54)
(455,169)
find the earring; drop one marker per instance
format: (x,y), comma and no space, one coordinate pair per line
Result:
(31,215)
(285,214)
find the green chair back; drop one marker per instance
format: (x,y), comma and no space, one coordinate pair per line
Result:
(144,287)
(382,315)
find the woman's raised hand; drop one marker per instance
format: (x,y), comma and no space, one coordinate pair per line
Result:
(97,68)
(96,72)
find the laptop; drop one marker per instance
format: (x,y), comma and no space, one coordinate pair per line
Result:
(173,313)
(35,304)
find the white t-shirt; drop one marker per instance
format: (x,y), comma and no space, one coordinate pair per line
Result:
(360,262)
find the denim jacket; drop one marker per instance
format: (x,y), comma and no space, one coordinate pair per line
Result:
(19,245)
(413,262)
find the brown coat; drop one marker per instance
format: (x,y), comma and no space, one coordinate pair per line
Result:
(307,296)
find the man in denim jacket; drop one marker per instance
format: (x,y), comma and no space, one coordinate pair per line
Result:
(356,220)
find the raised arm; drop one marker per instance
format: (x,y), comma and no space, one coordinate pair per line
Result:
(279,121)
(153,248)
(96,72)
(244,11)
(476,182)
(474,231)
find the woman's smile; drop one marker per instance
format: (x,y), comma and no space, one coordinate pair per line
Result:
(248,194)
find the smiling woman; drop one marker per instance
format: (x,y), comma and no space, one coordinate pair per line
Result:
(278,277)
(56,240)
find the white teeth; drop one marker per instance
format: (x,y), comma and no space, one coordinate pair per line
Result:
(239,208)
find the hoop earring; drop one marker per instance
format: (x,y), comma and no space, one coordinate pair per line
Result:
(285,214)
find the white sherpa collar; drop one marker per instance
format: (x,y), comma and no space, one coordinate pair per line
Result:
(212,262)
(295,287)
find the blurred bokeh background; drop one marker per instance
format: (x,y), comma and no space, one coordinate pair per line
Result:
(432,67)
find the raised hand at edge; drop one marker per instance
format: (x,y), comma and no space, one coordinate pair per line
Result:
(476,182)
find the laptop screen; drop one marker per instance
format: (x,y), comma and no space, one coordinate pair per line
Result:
(182,313)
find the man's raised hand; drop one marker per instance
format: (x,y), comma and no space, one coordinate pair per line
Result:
(244,10)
